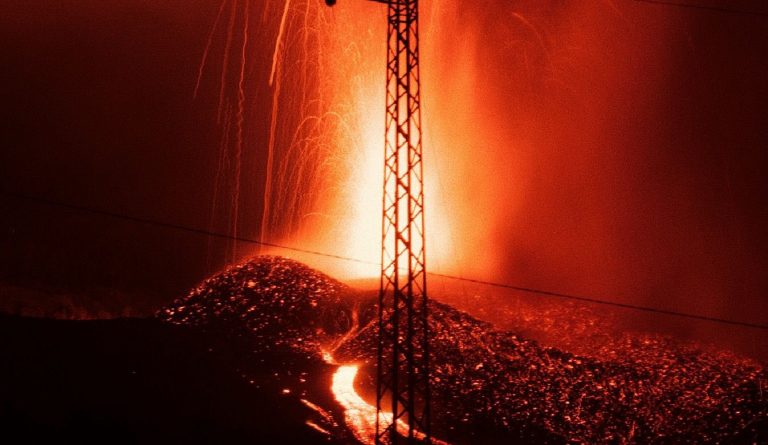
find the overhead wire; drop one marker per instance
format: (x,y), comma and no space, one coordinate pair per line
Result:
(225,236)
(704,7)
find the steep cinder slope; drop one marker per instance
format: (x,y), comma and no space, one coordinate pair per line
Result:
(492,386)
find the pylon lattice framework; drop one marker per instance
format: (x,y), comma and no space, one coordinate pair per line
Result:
(403,350)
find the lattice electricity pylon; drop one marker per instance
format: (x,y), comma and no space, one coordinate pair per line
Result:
(402,380)
(403,355)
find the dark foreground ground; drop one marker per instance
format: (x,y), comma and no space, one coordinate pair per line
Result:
(137,381)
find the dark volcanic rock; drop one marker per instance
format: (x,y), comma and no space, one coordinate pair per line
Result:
(516,386)
(277,302)
(491,386)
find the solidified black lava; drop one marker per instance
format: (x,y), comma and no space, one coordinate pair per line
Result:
(492,386)
(276,301)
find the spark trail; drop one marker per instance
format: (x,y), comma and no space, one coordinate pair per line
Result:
(240,120)
(207,49)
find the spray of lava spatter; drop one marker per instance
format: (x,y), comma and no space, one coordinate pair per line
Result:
(321,158)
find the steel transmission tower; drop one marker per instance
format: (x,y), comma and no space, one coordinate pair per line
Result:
(402,384)
(403,360)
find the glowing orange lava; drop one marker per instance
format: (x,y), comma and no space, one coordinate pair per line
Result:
(358,414)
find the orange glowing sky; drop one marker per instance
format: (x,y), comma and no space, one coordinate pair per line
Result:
(612,149)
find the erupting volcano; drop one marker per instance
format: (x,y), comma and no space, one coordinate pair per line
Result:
(580,185)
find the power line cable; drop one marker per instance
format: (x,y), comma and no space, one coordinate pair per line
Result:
(167,225)
(605,302)
(116,215)
(704,7)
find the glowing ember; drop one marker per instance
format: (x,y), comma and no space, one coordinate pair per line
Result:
(317,428)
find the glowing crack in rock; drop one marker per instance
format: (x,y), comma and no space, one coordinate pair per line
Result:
(358,414)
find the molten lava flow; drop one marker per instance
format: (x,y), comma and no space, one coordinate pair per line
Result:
(358,414)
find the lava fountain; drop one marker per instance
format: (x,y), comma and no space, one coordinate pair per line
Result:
(321,159)
(546,165)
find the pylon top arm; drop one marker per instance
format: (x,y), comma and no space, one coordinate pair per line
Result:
(384,2)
